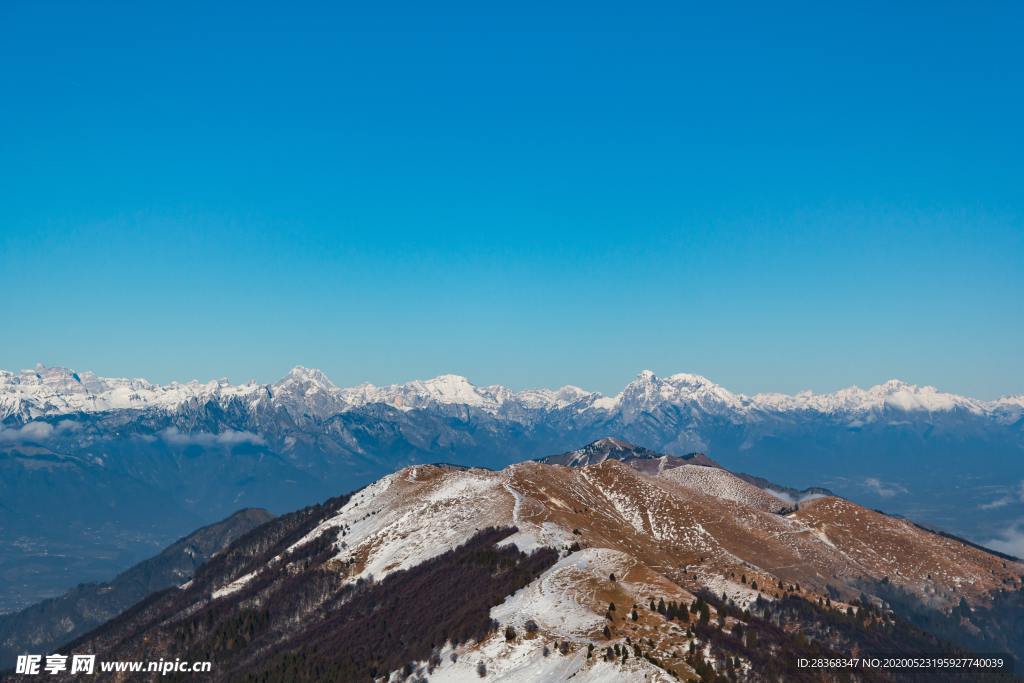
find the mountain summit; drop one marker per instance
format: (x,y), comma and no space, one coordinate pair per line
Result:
(612,448)
(594,573)
(599,451)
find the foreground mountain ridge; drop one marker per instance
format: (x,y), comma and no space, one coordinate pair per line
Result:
(600,572)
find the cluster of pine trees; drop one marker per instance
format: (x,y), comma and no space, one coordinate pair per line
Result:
(998,627)
(672,610)
(777,633)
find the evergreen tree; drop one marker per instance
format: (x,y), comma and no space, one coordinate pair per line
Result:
(705,613)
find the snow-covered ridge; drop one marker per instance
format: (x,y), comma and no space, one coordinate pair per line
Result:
(56,391)
(45,391)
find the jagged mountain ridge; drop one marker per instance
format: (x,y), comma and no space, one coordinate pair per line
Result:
(609,447)
(624,537)
(600,450)
(47,391)
(693,469)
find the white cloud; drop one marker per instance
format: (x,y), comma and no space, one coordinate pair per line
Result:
(1010,541)
(228,437)
(792,500)
(883,488)
(782,495)
(68,426)
(1014,496)
(37,431)
(30,431)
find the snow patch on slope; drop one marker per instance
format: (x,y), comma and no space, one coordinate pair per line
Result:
(422,512)
(354,515)
(554,600)
(523,661)
(722,484)
(532,537)
(232,587)
(742,595)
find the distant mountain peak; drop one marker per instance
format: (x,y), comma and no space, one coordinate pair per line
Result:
(678,379)
(691,379)
(605,448)
(448,378)
(612,442)
(303,374)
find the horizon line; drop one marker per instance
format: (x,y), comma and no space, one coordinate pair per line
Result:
(224,380)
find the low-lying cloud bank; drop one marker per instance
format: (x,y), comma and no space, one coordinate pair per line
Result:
(1010,541)
(229,437)
(1014,495)
(791,499)
(36,431)
(884,489)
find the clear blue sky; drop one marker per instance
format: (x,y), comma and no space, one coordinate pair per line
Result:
(777,196)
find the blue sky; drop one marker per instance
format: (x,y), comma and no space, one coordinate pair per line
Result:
(778,198)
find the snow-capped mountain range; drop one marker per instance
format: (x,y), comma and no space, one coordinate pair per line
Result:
(51,391)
